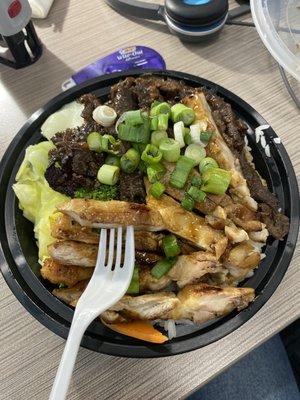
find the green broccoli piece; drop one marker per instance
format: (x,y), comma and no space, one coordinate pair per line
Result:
(103,193)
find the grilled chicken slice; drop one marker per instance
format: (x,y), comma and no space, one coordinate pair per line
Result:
(192,267)
(202,302)
(71,295)
(64,228)
(188,225)
(68,275)
(74,253)
(218,149)
(84,255)
(198,303)
(150,284)
(146,307)
(111,214)
(240,261)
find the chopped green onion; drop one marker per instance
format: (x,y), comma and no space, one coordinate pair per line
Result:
(134,286)
(195,133)
(157,137)
(130,161)
(133,117)
(216,181)
(162,267)
(196,194)
(170,246)
(109,144)
(157,189)
(187,137)
(142,167)
(155,172)
(104,115)
(108,174)
(94,141)
(180,112)
(112,160)
(205,137)
(154,123)
(170,150)
(155,103)
(179,132)
(207,163)
(139,147)
(161,108)
(151,154)
(188,203)
(132,132)
(195,152)
(181,172)
(162,123)
(196,181)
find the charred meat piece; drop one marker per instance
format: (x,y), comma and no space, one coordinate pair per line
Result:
(132,187)
(68,275)
(90,102)
(232,129)
(69,252)
(121,96)
(277,224)
(150,284)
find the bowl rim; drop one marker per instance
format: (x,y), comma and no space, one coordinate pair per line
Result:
(30,295)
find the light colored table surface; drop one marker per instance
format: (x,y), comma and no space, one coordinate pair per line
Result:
(76,33)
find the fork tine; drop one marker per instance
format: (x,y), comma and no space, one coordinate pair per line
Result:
(101,250)
(111,248)
(119,248)
(123,275)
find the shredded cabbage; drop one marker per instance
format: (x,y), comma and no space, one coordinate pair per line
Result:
(36,199)
(69,116)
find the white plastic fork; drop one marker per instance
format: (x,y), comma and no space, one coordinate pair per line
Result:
(105,288)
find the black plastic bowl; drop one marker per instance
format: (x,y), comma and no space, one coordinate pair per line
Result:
(18,257)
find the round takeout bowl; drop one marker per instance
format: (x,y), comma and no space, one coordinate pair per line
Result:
(18,255)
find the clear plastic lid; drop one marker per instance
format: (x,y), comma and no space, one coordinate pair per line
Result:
(278,24)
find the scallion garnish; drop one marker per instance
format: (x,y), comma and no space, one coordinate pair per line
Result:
(179,132)
(180,112)
(153,123)
(162,122)
(181,172)
(108,174)
(151,154)
(155,172)
(196,194)
(134,286)
(112,160)
(130,161)
(188,203)
(205,137)
(170,150)
(162,267)
(195,152)
(157,189)
(157,137)
(170,246)
(94,141)
(160,108)
(207,163)
(216,181)
(196,181)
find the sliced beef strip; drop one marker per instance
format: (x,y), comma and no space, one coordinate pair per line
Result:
(233,131)
(277,223)
(132,187)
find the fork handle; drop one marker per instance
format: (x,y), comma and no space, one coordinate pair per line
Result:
(67,362)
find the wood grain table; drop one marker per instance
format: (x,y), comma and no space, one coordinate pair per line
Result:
(75,34)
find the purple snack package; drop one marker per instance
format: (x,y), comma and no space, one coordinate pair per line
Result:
(124,59)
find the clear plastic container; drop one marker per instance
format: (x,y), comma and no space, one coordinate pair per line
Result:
(278,24)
